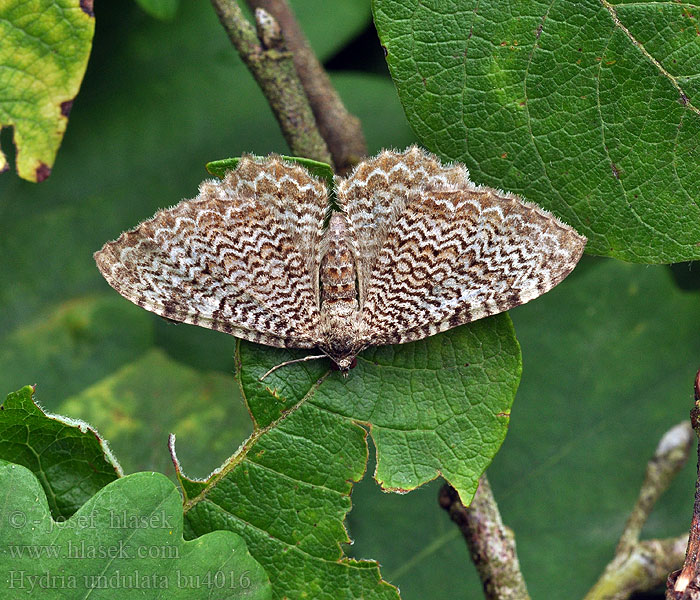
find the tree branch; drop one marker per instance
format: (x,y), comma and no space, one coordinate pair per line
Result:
(685,584)
(637,565)
(670,456)
(272,65)
(643,567)
(640,566)
(341,130)
(492,544)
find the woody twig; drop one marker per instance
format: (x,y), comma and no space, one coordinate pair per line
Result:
(491,543)
(685,584)
(643,565)
(341,130)
(266,55)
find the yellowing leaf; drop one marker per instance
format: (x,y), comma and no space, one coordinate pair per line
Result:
(43,55)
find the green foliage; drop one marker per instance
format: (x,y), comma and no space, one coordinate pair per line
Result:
(424,403)
(126,541)
(293,512)
(43,55)
(68,457)
(439,406)
(609,354)
(286,492)
(586,108)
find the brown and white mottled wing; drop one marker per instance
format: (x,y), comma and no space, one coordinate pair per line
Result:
(242,257)
(453,252)
(374,195)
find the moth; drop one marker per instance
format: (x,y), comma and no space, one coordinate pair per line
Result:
(412,248)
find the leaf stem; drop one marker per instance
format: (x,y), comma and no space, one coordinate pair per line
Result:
(341,130)
(491,543)
(265,54)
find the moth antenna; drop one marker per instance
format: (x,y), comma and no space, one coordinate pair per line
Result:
(291,362)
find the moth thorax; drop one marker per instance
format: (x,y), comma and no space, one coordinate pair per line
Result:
(338,277)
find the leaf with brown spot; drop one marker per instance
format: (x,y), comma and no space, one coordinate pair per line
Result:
(44,53)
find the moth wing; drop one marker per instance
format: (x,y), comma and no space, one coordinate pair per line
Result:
(242,257)
(434,251)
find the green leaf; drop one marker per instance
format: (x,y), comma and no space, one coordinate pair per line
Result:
(69,457)
(43,56)
(438,406)
(160,9)
(609,361)
(190,487)
(589,109)
(321,170)
(124,542)
(138,405)
(286,492)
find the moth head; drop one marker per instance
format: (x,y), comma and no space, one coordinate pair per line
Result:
(341,351)
(345,364)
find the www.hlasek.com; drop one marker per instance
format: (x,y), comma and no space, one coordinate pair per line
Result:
(86,550)
(134,566)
